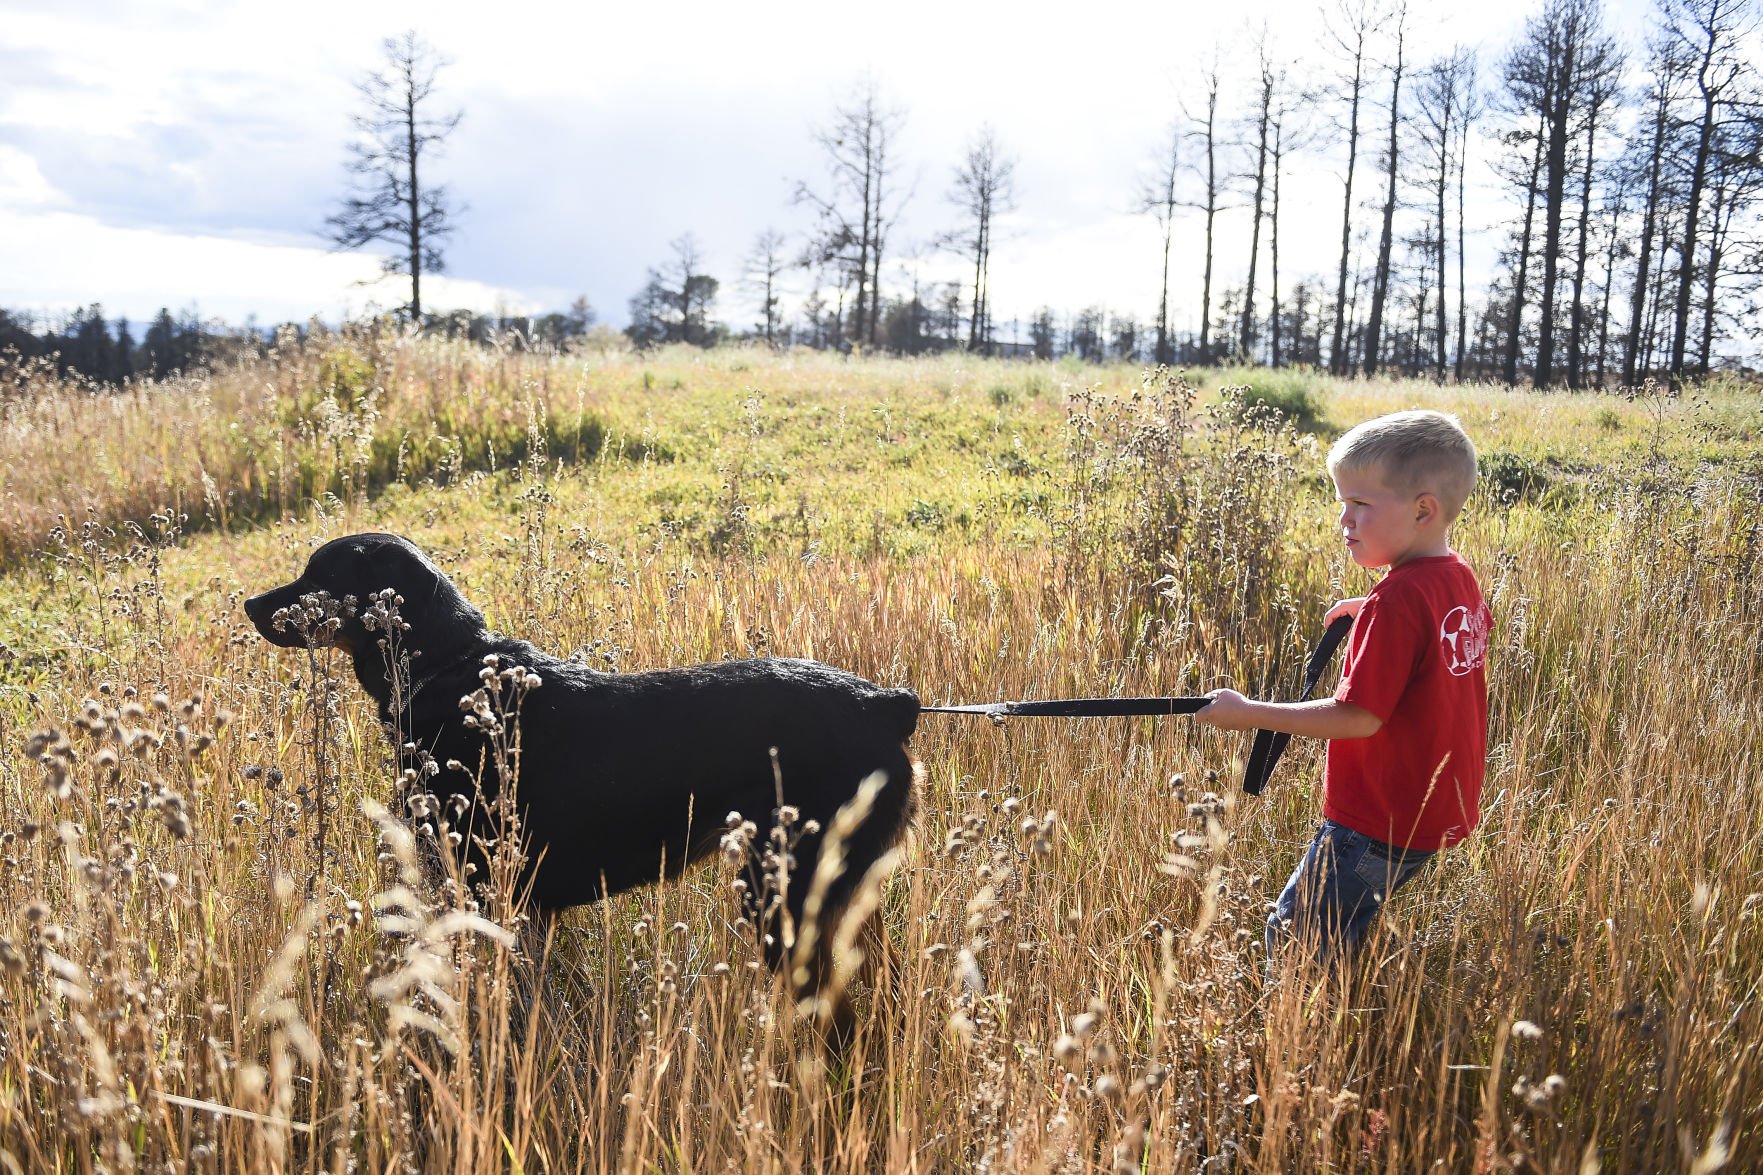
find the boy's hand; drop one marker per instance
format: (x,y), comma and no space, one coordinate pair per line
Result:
(1344,608)
(1229,711)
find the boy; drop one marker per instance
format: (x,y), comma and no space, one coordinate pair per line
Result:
(1407,727)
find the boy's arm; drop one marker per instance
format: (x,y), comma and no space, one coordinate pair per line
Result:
(1323,718)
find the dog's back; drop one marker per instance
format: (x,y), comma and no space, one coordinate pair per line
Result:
(627,777)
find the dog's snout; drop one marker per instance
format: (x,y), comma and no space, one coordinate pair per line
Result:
(261,610)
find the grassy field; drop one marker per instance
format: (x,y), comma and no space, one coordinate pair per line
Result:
(216,953)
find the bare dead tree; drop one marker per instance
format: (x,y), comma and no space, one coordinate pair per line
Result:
(1534,76)
(1714,34)
(1735,183)
(1268,81)
(1468,112)
(984,188)
(1441,97)
(1615,212)
(1563,60)
(764,270)
(1351,28)
(1656,336)
(1668,69)
(1157,197)
(1205,128)
(859,207)
(1278,150)
(1515,310)
(397,133)
(1380,288)
(1292,131)
(1600,87)
(1558,34)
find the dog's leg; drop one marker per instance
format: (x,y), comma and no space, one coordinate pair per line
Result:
(876,970)
(855,944)
(819,988)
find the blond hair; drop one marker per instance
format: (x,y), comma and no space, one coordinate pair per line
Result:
(1414,452)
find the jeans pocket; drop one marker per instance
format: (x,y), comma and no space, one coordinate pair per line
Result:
(1378,866)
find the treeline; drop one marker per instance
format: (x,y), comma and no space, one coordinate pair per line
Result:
(1629,229)
(85,343)
(1629,235)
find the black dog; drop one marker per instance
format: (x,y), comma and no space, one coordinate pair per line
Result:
(622,775)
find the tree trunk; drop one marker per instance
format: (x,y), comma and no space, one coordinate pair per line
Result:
(1337,354)
(1618,207)
(415,201)
(979,260)
(1211,215)
(1515,328)
(1557,100)
(1380,288)
(1355,335)
(873,319)
(863,234)
(1246,340)
(1444,186)
(1462,281)
(1483,344)
(1163,352)
(1414,351)
(1649,219)
(1692,212)
(1273,243)
(1711,276)
(1658,350)
(1576,326)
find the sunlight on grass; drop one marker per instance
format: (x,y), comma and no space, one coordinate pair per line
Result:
(215,955)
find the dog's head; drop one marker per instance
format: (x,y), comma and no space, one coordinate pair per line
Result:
(355,568)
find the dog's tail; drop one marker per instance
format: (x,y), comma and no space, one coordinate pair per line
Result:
(901,707)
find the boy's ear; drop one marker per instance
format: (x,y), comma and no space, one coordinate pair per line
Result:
(1426,507)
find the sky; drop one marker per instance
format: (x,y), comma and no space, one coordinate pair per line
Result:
(185,154)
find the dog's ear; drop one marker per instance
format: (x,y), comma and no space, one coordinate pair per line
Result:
(441,619)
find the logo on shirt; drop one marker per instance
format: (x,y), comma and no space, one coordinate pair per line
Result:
(1463,639)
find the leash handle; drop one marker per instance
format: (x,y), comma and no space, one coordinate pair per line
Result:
(1270,745)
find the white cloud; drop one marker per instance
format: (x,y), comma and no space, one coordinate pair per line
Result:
(22,184)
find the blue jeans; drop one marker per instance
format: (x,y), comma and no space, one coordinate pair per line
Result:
(1335,892)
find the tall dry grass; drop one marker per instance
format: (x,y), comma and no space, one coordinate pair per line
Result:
(216,952)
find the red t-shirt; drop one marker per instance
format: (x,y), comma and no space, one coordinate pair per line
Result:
(1416,659)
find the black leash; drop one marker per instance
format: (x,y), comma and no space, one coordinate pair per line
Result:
(1268,745)
(1076,708)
